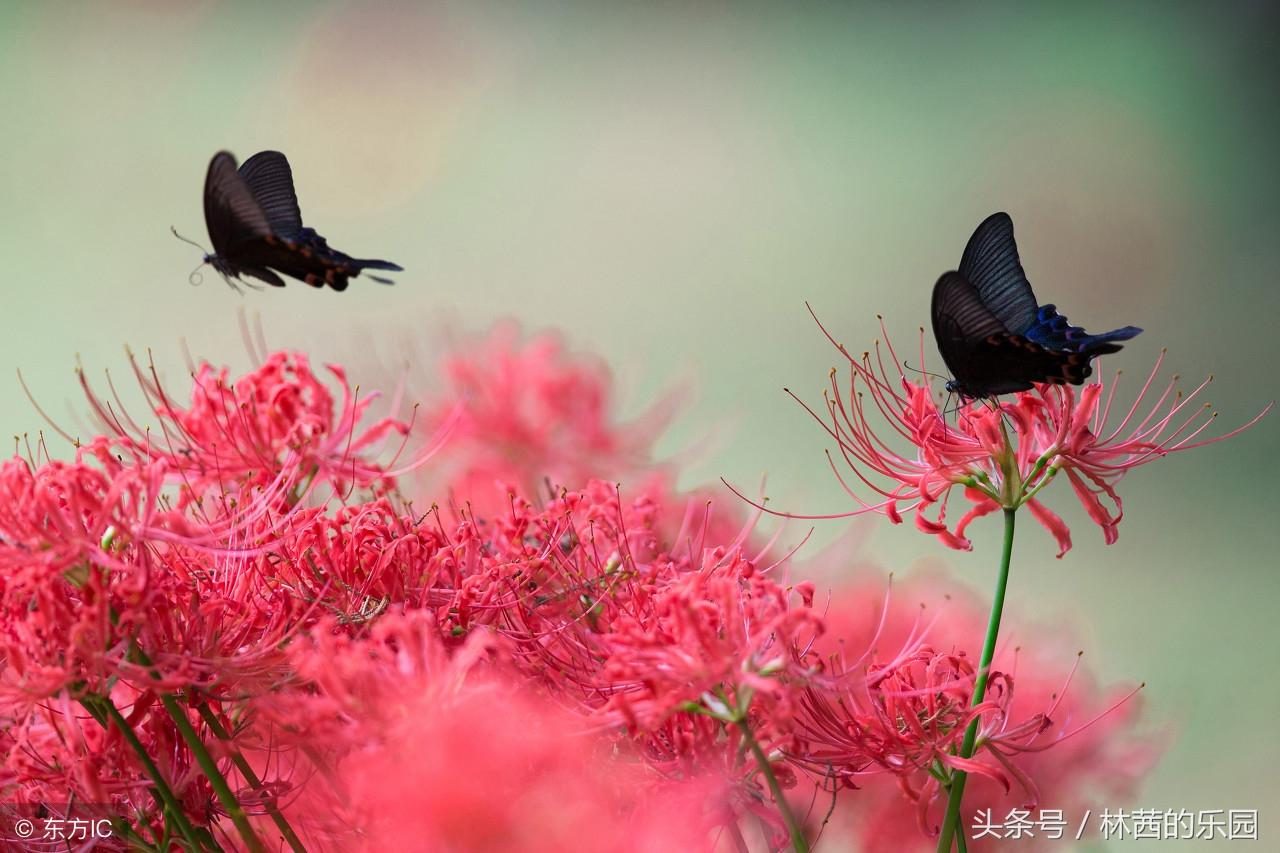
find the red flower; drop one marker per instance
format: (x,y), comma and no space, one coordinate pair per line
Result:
(529,415)
(280,418)
(426,750)
(714,634)
(1049,737)
(911,463)
(358,665)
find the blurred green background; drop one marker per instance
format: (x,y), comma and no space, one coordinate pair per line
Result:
(667,185)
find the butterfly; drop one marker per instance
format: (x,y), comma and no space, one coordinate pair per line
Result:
(993,335)
(256,227)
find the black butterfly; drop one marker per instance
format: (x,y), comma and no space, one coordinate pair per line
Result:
(256,227)
(993,336)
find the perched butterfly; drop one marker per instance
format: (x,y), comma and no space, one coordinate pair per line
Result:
(256,227)
(993,335)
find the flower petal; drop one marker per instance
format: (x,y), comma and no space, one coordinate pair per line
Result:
(969,765)
(983,505)
(1092,505)
(1053,523)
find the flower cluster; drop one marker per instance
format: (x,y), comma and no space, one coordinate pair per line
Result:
(526,415)
(480,762)
(1047,735)
(1001,453)
(237,622)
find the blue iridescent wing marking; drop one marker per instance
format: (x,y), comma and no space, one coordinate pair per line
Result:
(987,359)
(1053,331)
(981,354)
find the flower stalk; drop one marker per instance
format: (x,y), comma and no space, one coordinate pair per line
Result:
(205,759)
(210,767)
(246,770)
(951,828)
(102,708)
(798,842)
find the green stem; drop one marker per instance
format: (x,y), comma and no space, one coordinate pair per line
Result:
(788,817)
(121,829)
(735,834)
(207,764)
(161,789)
(210,767)
(951,821)
(211,720)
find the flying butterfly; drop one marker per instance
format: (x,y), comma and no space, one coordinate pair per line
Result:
(256,227)
(993,335)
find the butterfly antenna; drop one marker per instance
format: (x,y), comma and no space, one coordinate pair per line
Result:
(185,240)
(908,366)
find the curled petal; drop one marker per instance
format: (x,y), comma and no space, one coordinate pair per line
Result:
(983,506)
(926,525)
(951,540)
(1053,523)
(969,765)
(1093,505)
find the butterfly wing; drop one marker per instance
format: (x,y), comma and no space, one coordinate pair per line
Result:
(1054,331)
(231,213)
(990,263)
(256,226)
(270,179)
(310,259)
(961,325)
(1019,363)
(985,357)
(298,260)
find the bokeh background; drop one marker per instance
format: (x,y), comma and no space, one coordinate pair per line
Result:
(668,185)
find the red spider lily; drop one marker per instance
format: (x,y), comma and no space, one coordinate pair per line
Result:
(94,559)
(1047,734)
(1054,429)
(534,414)
(908,718)
(720,635)
(903,717)
(359,666)
(60,761)
(679,646)
(135,574)
(429,750)
(175,540)
(278,418)
(595,600)
(61,514)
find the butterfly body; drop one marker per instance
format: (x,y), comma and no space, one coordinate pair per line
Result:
(256,227)
(993,335)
